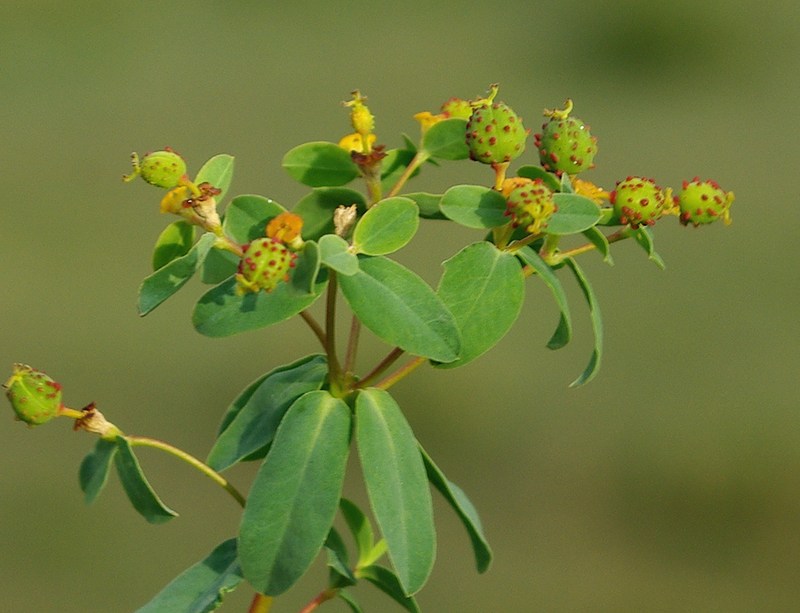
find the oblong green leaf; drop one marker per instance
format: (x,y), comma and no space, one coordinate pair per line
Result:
(447,139)
(387,582)
(173,242)
(93,473)
(340,574)
(247,215)
(428,204)
(386,227)
(599,240)
(483,288)
(250,424)
(168,279)
(400,308)
(397,486)
(317,209)
(537,172)
(320,163)
(563,332)
(293,499)
(360,528)
(222,312)
(644,238)
(140,493)
(474,206)
(465,510)
(218,171)
(573,214)
(201,587)
(597,325)
(334,252)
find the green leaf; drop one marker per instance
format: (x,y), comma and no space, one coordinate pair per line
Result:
(338,564)
(597,325)
(394,165)
(354,606)
(139,492)
(173,242)
(93,473)
(320,164)
(168,279)
(246,217)
(200,588)
(400,308)
(306,275)
(218,266)
(317,209)
(249,425)
(474,206)
(222,312)
(599,240)
(465,510)
(386,227)
(535,172)
(563,332)
(387,582)
(484,289)
(218,171)
(293,499)
(573,214)
(428,204)
(447,139)
(397,486)
(360,528)
(334,252)
(644,238)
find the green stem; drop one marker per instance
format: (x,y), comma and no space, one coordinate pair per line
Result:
(401,373)
(549,248)
(418,160)
(144,441)
(376,372)
(261,603)
(352,345)
(334,367)
(315,327)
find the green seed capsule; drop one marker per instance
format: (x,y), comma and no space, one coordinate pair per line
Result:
(264,264)
(34,396)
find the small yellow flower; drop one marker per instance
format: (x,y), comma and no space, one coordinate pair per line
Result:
(426,119)
(362,119)
(285,227)
(173,200)
(354,142)
(590,190)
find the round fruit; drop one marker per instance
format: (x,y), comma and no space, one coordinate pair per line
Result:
(638,201)
(495,133)
(265,263)
(565,143)
(703,202)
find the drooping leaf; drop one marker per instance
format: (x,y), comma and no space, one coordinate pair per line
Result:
(428,204)
(360,528)
(250,423)
(334,252)
(483,288)
(536,172)
(218,266)
(320,164)
(599,240)
(94,469)
(317,209)
(644,238)
(173,242)
(218,171)
(400,308)
(222,312)
(348,598)
(338,561)
(140,493)
(388,226)
(563,332)
(201,587)
(387,582)
(597,324)
(573,214)
(293,499)
(447,139)
(397,486)
(474,206)
(246,217)
(168,279)
(465,510)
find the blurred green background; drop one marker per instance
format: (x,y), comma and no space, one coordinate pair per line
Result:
(669,483)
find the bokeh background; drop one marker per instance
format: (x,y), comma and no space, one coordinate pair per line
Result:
(669,483)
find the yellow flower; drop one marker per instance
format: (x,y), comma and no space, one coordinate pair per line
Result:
(285,227)
(426,119)
(590,190)
(354,142)
(173,201)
